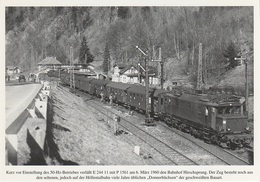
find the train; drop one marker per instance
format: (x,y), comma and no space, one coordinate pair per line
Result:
(216,120)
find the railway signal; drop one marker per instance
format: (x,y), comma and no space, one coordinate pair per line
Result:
(148,119)
(245,61)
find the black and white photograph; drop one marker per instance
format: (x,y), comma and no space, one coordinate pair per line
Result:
(129,86)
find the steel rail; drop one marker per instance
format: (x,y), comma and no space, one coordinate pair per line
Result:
(176,157)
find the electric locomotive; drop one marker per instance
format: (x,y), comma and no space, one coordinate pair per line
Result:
(221,122)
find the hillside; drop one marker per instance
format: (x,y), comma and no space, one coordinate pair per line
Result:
(236,77)
(85,139)
(33,33)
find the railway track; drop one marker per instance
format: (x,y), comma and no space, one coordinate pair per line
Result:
(172,156)
(164,147)
(224,155)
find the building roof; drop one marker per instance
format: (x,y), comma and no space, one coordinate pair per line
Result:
(127,68)
(50,61)
(120,65)
(11,67)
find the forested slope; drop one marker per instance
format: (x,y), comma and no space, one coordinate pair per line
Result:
(33,33)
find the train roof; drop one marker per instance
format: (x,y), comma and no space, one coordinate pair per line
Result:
(194,97)
(189,97)
(117,85)
(100,82)
(139,89)
(88,79)
(159,91)
(205,99)
(81,77)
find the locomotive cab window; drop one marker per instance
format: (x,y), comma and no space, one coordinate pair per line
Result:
(229,110)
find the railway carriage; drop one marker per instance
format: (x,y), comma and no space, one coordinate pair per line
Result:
(87,84)
(136,97)
(118,91)
(157,102)
(98,86)
(66,78)
(78,81)
(82,82)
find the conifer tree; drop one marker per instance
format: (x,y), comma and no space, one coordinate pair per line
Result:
(84,54)
(230,53)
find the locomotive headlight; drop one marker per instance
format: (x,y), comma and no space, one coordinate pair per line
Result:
(224,121)
(228,129)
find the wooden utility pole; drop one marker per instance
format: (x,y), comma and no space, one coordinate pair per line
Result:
(199,74)
(72,76)
(242,59)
